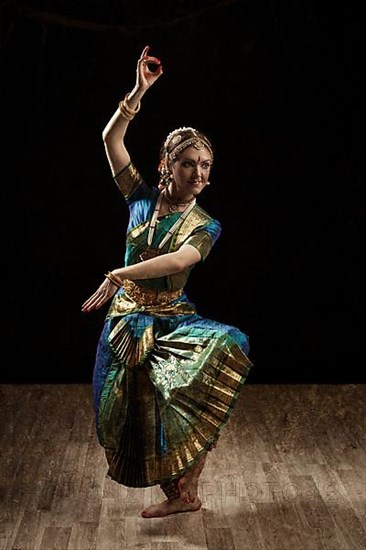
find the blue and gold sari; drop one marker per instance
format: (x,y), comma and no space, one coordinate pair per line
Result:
(165,379)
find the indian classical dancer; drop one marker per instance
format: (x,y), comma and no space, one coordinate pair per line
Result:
(165,379)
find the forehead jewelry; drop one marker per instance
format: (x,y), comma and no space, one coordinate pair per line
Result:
(176,140)
(175,136)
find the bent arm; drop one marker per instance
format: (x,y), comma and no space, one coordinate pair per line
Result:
(115,130)
(114,135)
(167,264)
(161,266)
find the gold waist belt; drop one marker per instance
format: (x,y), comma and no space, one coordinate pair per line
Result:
(148,296)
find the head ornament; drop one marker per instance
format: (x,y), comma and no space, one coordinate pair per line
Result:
(181,138)
(175,142)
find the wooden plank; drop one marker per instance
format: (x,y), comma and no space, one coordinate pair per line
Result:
(71,471)
(83,536)
(27,532)
(55,538)
(288,472)
(48,472)
(111,534)
(9,530)
(220,537)
(317,520)
(355,487)
(183,530)
(83,422)
(92,482)
(339,505)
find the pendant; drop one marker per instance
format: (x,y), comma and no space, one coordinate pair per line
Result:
(149,253)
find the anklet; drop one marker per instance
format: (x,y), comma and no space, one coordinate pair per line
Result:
(170,489)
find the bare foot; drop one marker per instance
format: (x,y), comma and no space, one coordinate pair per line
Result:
(187,490)
(188,483)
(170,507)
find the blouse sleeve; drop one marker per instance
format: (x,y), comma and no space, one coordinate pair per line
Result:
(128,180)
(204,238)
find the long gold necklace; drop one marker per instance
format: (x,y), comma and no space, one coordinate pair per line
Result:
(173,203)
(153,252)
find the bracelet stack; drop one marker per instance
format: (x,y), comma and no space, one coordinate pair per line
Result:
(126,110)
(113,278)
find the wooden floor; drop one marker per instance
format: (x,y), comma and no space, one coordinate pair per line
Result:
(289,473)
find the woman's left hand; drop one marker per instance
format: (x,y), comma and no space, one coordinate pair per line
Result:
(104,293)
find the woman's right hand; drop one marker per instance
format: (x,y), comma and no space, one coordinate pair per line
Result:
(145,77)
(103,293)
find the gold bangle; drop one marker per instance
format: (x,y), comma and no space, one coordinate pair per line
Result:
(113,278)
(131,111)
(112,281)
(126,110)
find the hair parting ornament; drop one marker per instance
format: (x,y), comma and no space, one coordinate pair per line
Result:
(175,143)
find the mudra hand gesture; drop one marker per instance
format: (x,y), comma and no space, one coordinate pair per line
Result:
(148,70)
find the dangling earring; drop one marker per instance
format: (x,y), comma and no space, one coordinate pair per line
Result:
(208,183)
(166,176)
(165,179)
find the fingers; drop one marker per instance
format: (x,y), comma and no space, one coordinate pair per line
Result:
(150,59)
(94,302)
(145,51)
(106,290)
(152,63)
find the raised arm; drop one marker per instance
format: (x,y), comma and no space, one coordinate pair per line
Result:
(148,70)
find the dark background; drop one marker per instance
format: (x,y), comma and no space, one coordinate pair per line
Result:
(280,89)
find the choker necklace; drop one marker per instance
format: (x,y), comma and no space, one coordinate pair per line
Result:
(175,204)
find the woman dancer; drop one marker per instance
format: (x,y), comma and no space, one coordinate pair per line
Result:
(165,379)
